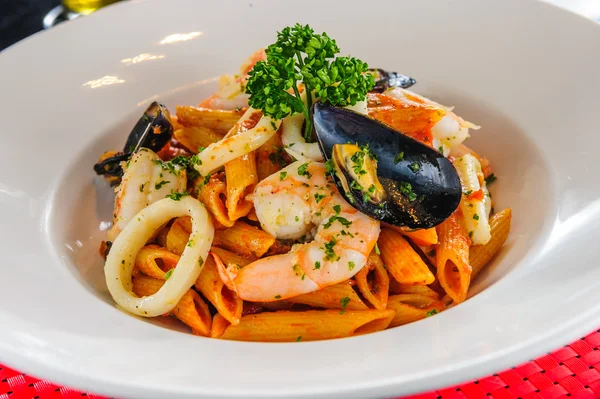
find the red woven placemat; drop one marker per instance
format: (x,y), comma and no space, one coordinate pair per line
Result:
(569,372)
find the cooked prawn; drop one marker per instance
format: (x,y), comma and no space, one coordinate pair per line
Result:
(292,203)
(144,182)
(420,118)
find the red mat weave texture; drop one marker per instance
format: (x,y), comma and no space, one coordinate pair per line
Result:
(569,372)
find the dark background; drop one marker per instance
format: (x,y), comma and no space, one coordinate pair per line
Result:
(21,18)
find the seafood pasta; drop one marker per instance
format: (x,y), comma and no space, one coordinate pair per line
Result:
(309,198)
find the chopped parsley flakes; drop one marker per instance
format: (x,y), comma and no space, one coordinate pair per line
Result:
(377,251)
(303,170)
(344,303)
(415,166)
(351,265)
(317,265)
(160,184)
(432,312)
(319,197)
(406,189)
(282,175)
(168,274)
(476,216)
(490,179)
(329,252)
(176,196)
(399,157)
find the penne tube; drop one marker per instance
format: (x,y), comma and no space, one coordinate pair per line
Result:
(190,309)
(178,236)
(475,205)
(420,237)
(229,258)
(373,282)
(412,307)
(211,286)
(270,157)
(248,134)
(241,178)
(481,255)
(196,137)
(311,325)
(146,261)
(213,195)
(401,260)
(452,255)
(397,288)
(244,239)
(336,296)
(220,121)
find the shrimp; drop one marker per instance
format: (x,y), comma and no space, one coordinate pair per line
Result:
(420,118)
(292,203)
(145,181)
(231,92)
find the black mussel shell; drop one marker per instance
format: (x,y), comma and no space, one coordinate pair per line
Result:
(153,130)
(385,80)
(421,186)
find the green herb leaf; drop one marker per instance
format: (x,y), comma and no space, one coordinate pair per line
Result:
(399,157)
(490,179)
(282,175)
(432,312)
(303,170)
(176,196)
(168,274)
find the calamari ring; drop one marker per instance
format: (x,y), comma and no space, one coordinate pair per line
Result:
(121,259)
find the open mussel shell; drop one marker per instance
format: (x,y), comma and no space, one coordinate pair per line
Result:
(409,185)
(153,130)
(386,80)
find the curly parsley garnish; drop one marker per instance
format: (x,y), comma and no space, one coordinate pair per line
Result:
(302,56)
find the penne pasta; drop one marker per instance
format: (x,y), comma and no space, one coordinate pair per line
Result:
(412,307)
(337,296)
(220,121)
(213,195)
(241,178)
(147,261)
(178,235)
(230,258)
(211,286)
(476,203)
(312,325)
(452,255)
(190,309)
(196,137)
(401,260)
(373,282)
(420,237)
(270,157)
(397,288)
(481,255)
(244,239)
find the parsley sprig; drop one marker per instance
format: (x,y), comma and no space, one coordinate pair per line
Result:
(301,55)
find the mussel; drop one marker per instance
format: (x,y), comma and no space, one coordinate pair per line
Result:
(385,80)
(153,130)
(383,173)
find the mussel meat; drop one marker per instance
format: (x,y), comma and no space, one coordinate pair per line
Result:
(383,173)
(386,80)
(153,130)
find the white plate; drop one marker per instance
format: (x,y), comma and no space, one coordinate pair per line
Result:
(525,71)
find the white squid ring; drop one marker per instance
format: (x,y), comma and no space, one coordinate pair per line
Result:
(121,258)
